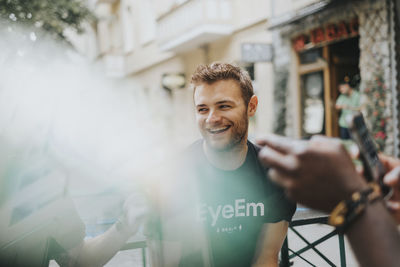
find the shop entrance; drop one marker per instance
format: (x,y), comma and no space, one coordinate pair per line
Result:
(321,69)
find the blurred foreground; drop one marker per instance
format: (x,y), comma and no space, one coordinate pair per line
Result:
(67,131)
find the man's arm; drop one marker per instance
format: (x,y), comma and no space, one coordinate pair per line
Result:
(340,107)
(96,251)
(99,250)
(374,237)
(270,243)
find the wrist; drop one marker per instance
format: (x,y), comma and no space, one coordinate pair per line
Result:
(354,184)
(350,209)
(122,227)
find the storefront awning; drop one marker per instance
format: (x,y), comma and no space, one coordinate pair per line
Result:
(297,15)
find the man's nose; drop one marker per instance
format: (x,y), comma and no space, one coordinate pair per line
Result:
(213,117)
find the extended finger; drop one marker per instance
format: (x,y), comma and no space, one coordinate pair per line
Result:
(282,144)
(321,141)
(319,137)
(393,206)
(274,159)
(280,178)
(389,162)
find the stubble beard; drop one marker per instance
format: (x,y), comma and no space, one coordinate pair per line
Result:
(239,133)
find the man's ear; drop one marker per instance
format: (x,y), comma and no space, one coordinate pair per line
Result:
(252,106)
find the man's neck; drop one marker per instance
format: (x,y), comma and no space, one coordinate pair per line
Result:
(227,160)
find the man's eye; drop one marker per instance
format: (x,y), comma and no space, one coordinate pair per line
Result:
(224,107)
(202,110)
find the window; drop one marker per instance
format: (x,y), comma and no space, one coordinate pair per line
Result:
(310,56)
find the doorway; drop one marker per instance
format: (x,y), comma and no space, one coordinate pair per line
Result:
(344,62)
(321,70)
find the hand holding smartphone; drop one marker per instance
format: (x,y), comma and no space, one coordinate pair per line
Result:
(373,168)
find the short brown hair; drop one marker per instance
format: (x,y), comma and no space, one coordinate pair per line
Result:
(218,71)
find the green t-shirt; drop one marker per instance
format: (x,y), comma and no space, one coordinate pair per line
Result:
(234,205)
(352,101)
(218,222)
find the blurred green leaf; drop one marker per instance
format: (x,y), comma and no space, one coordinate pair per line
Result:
(48,14)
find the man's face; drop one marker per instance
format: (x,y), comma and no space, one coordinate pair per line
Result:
(221,114)
(344,89)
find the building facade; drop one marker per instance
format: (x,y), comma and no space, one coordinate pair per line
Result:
(296,51)
(158,44)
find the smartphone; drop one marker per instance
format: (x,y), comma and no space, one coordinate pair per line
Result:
(373,167)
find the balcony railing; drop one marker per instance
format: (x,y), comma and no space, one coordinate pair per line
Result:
(194,23)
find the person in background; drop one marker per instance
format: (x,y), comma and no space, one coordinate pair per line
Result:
(320,174)
(347,102)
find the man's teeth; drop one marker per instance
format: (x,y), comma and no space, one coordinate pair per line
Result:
(219,130)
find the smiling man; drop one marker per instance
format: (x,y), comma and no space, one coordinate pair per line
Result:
(244,216)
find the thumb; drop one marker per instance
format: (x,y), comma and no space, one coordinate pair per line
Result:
(392,178)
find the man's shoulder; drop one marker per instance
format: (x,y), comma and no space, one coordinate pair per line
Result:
(256,148)
(263,169)
(283,208)
(193,154)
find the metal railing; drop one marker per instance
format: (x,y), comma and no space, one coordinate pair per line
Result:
(142,245)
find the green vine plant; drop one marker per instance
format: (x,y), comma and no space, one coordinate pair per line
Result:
(375,91)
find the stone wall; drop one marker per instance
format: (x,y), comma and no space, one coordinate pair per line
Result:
(375,63)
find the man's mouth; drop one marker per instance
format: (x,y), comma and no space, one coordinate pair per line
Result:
(219,129)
